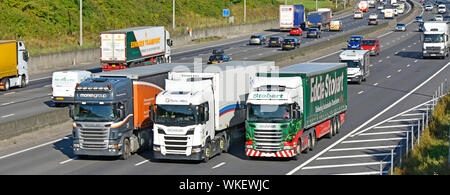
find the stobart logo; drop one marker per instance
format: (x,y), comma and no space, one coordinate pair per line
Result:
(323,88)
(267,96)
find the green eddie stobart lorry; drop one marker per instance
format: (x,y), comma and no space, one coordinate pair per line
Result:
(289,110)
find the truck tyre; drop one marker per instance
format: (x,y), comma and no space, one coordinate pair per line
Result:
(298,150)
(6,84)
(126,150)
(207,152)
(338,124)
(313,141)
(23,82)
(330,133)
(223,144)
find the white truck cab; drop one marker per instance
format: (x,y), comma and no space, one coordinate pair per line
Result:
(357,64)
(435,39)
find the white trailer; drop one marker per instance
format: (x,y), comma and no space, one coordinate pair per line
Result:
(196,111)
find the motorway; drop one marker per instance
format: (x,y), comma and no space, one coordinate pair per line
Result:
(34,99)
(398,73)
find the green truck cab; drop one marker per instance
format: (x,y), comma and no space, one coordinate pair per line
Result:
(288,110)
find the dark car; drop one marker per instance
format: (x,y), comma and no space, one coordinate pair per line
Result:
(290,43)
(257,39)
(276,41)
(313,32)
(218,56)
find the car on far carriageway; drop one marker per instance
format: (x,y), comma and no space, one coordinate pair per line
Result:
(290,43)
(218,56)
(313,32)
(275,41)
(400,27)
(296,32)
(257,39)
(373,45)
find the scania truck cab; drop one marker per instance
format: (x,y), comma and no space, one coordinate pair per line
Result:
(436,39)
(196,112)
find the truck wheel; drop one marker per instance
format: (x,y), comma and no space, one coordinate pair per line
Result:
(313,141)
(6,84)
(207,152)
(23,82)
(338,124)
(223,144)
(126,151)
(298,150)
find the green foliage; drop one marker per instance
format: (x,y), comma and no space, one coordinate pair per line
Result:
(51,23)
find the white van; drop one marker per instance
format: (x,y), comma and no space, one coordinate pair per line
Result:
(64,83)
(442,9)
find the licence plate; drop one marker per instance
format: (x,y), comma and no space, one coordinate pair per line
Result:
(59,98)
(215,62)
(274,42)
(255,40)
(288,46)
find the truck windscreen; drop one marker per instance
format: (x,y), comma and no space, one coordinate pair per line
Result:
(268,113)
(179,115)
(94,112)
(352,63)
(433,38)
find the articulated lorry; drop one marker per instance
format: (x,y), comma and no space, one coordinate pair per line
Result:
(319,19)
(111,111)
(14,64)
(196,113)
(436,39)
(292,16)
(137,46)
(289,110)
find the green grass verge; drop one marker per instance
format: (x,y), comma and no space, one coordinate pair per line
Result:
(430,157)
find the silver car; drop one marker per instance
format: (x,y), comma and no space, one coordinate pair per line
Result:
(400,27)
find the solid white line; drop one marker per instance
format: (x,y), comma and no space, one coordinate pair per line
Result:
(345,165)
(325,56)
(383,133)
(32,148)
(66,161)
(363,173)
(40,78)
(137,164)
(219,165)
(353,156)
(406,119)
(9,93)
(372,140)
(4,104)
(392,126)
(364,148)
(8,115)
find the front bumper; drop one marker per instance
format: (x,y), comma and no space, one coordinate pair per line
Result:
(160,156)
(354,78)
(279,154)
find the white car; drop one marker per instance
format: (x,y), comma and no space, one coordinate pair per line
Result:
(358,15)
(442,9)
(380,7)
(439,18)
(429,7)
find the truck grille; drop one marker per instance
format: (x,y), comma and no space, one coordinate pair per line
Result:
(94,139)
(175,144)
(268,140)
(433,49)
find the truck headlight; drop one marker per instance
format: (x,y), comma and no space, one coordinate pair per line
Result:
(196,149)
(288,147)
(157,148)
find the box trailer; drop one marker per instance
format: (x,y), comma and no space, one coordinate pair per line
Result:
(292,16)
(196,112)
(289,110)
(64,83)
(135,46)
(14,64)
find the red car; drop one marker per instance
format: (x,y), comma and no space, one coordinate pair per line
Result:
(296,32)
(373,45)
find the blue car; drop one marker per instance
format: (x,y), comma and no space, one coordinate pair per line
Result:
(355,42)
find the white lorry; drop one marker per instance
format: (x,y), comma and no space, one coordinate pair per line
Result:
(388,13)
(14,64)
(194,115)
(64,83)
(435,39)
(358,64)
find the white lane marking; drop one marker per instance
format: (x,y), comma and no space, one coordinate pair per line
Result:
(373,140)
(363,173)
(41,78)
(353,156)
(8,115)
(346,165)
(66,161)
(145,161)
(403,120)
(413,114)
(408,65)
(364,148)
(325,56)
(371,65)
(393,126)
(47,85)
(399,70)
(379,61)
(32,148)
(9,93)
(4,104)
(360,92)
(382,133)
(387,57)
(375,84)
(389,76)
(416,60)
(219,165)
